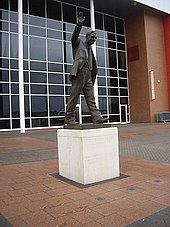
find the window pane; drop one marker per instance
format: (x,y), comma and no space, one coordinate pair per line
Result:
(55,52)
(37,7)
(68,53)
(4,106)
(100,56)
(37,48)
(4,75)
(69,13)
(102,90)
(27,106)
(4,44)
(4,88)
(4,26)
(101,81)
(53,10)
(39,66)
(111,58)
(4,124)
(55,78)
(103,105)
(14,88)
(14,64)
(112,82)
(14,46)
(39,106)
(4,4)
(14,76)
(38,77)
(99,21)
(38,89)
(122,60)
(14,5)
(55,67)
(54,89)
(56,105)
(113,105)
(119,26)
(123,83)
(15,105)
(37,21)
(37,31)
(109,23)
(4,63)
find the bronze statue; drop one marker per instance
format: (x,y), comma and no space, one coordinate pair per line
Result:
(83,74)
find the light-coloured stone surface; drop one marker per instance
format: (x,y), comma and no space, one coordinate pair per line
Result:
(88,156)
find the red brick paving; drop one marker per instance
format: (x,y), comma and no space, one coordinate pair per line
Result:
(30,196)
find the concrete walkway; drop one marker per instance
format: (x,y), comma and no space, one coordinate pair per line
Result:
(31,196)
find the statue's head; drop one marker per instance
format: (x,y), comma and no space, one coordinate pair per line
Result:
(91,37)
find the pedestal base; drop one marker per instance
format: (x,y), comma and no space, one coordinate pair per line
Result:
(88,156)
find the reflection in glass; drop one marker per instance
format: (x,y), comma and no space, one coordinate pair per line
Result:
(4,105)
(4,44)
(14,5)
(122,74)
(39,106)
(54,34)
(55,52)
(13,46)
(37,48)
(15,106)
(4,4)
(56,105)
(14,17)
(123,92)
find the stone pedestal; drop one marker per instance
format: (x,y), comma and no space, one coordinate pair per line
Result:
(88,156)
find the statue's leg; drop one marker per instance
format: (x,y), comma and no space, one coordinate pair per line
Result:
(77,86)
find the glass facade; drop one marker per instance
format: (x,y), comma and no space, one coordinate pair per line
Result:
(47,59)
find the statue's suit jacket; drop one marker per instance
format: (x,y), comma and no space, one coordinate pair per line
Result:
(80,55)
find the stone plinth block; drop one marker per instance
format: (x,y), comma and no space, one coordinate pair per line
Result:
(88,156)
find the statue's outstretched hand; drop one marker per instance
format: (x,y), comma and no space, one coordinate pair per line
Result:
(81,18)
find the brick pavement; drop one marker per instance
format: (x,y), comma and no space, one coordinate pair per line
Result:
(30,196)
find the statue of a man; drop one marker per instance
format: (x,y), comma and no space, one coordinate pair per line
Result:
(83,74)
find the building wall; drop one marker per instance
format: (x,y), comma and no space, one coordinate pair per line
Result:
(167,50)
(137,70)
(157,62)
(146,31)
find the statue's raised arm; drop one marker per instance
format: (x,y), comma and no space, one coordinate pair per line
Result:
(80,19)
